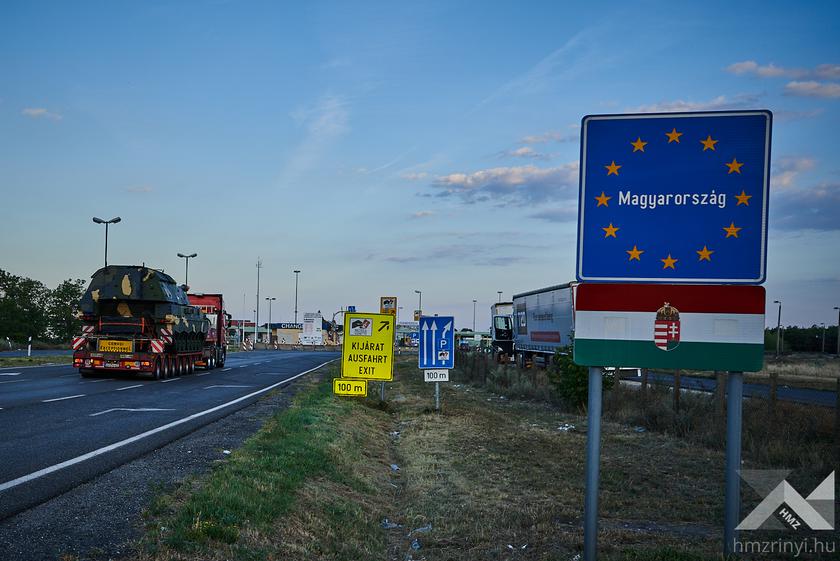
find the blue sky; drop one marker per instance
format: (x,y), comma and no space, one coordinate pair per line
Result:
(385,147)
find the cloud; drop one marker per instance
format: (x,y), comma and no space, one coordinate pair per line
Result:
(40,113)
(493,254)
(324,123)
(816,208)
(786,169)
(523,152)
(140,189)
(752,68)
(567,213)
(511,185)
(414,175)
(812,88)
(550,136)
(718,103)
(422,214)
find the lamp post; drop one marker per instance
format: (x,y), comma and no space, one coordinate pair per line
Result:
(500,295)
(297,272)
(838,329)
(186,259)
(778,327)
(106,222)
(474,301)
(420,301)
(398,313)
(823,341)
(270,336)
(257,311)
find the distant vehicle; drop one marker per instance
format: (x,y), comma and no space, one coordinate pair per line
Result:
(213,307)
(501,331)
(543,321)
(137,319)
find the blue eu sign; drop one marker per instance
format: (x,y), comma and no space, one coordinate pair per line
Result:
(675,197)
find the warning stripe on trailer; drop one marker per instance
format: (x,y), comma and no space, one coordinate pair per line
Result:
(78,342)
(166,335)
(88,328)
(157,345)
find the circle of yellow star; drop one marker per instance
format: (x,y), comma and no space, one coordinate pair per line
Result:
(743,198)
(735,166)
(732,230)
(612,169)
(602,200)
(635,253)
(639,145)
(610,231)
(705,254)
(708,144)
(669,262)
(673,136)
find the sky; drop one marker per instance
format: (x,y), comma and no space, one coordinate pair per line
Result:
(386,147)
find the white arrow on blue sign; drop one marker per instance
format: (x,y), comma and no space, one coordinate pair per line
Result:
(437,342)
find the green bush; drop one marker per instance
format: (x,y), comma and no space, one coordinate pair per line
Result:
(572,380)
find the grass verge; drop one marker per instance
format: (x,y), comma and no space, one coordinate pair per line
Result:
(34,360)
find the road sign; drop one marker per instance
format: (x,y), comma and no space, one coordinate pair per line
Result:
(343,386)
(437,342)
(417,315)
(437,375)
(351,308)
(388,305)
(697,327)
(368,348)
(677,197)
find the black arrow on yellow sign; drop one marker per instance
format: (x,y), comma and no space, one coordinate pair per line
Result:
(383,325)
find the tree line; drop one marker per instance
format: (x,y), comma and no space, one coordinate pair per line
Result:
(28,308)
(802,339)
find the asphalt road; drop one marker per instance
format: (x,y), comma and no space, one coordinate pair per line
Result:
(783,393)
(60,430)
(22,353)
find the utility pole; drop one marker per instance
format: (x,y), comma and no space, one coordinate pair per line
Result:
(474,301)
(823,342)
(778,328)
(269,318)
(296,272)
(838,331)
(257,316)
(420,301)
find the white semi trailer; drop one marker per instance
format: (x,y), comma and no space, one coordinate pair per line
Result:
(543,321)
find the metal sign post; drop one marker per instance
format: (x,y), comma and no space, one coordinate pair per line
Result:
(593,465)
(436,352)
(437,396)
(732,498)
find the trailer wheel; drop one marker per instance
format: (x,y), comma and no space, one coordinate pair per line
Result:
(158,374)
(182,365)
(211,362)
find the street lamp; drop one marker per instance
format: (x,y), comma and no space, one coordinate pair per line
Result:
(838,329)
(474,301)
(257,311)
(500,295)
(778,327)
(270,336)
(398,313)
(106,222)
(297,272)
(186,259)
(823,342)
(420,301)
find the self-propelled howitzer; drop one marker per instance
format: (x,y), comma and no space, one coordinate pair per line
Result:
(136,318)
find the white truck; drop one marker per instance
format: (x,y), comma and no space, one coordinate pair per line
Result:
(501,331)
(543,321)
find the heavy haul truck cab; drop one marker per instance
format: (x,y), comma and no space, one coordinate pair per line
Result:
(502,338)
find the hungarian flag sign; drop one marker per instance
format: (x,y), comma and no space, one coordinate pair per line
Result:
(692,327)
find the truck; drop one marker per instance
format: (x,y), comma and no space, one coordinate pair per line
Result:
(136,319)
(543,321)
(213,308)
(501,331)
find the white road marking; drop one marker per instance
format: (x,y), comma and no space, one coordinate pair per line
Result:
(62,398)
(169,380)
(226,369)
(243,366)
(105,449)
(129,387)
(48,365)
(228,386)
(96,381)
(10,381)
(203,374)
(142,409)
(9,373)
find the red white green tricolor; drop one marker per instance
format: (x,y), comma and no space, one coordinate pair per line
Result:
(694,327)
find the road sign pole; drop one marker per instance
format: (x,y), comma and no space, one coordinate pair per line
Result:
(732,499)
(437,396)
(382,391)
(593,461)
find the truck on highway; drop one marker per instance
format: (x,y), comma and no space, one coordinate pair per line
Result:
(137,319)
(213,307)
(501,331)
(543,321)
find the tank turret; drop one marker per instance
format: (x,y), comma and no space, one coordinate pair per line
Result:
(138,300)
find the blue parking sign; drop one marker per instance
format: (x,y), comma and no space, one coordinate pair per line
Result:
(437,342)
(674,197)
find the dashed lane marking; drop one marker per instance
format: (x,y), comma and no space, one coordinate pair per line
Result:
(62,398)
(140,410)
(9,373)
(105,449)
(169,380)
(129,387)
(227,386)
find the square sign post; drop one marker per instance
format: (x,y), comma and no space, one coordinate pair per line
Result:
(669,203)
(436,351)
